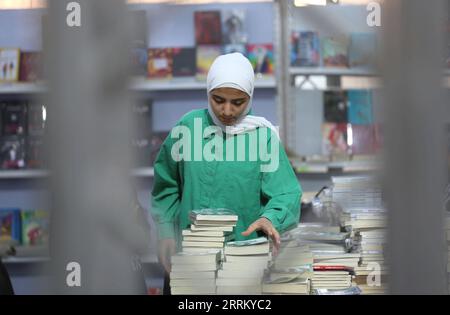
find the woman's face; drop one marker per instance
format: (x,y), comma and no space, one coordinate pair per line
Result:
(228,104)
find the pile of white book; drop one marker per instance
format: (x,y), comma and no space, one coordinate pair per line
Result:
(194,273)
(243,269)
(364,216)
(210,229)
(290,271)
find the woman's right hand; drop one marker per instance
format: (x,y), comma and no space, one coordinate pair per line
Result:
(166,248)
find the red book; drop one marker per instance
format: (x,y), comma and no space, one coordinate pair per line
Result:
(208,28)
(332,268)
(160,63)
(30,66)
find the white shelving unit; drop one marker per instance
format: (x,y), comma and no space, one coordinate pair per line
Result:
(24,174)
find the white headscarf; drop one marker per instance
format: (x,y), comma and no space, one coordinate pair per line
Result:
(235,71)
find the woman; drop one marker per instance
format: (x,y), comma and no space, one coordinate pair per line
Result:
(265,199)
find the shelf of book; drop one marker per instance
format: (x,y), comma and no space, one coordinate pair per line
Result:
(332,71)
(22,88)
(12,174)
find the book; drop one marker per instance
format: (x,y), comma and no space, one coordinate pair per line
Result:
(305,49)
(194,267)
(359,103)
(184,62)
(14,118)
(10,226)
(208,238)
(239,273)
(248,247)
(335,51)
(261,58)
(234,48)
(291,286)
(12,152)
(35,152)
(363,139)
(31,66)
(192,282)
(334,139)
(197,228)
(196,258)
(192,275)
(138,50)
(35,227)
(213,214)
(206,54)
(202,244)
(203,233)
(240,281)
(362,50)
(239,290)
(9,64)
(159,63)
(193,290)
(233,27)
(37,117)
(335,106)
(208,27)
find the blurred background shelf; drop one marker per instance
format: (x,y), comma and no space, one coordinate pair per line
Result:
(27,174)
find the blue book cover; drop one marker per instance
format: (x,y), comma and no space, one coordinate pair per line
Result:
(360,107)
(305,49)
(10,225)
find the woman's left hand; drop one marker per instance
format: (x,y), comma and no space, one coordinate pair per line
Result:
(264,224)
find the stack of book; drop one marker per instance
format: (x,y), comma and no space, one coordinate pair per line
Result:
(290,271)
(194,273)
(365,218)
(210,229)
(243,269)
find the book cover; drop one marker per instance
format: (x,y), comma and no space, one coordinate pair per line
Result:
(334,139)
(12,152)
(360,107)
(9,64)
(35,154)
(138,51)
(362,50)
(208,27)
(335,106)
(31,66)
(335,51)
(160,63)
(35,227)
(220,214)
(14,118)
(10,225)
(261,58)
(233,27)
(37,116)
(305,49)
(205,57)
(233,48)
(184,62)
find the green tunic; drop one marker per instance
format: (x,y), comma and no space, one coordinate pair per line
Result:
(241,186)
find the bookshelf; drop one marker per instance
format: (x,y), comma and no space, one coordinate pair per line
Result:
(36,174)
(332,71)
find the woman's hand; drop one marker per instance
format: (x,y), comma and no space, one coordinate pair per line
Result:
(166,248)
(264,224)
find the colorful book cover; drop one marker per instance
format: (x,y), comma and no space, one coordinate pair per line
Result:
(37,116)
(184,62)
(335,51)
(160,63)
(261,58)
(9,64)
(14,118)
(335,106)
(10,225)
(360,107)
(12,152)
(208,27)
(205,57)
(362,50)
(31,66)
(363,139)
(35,227)
(233,27)
(35,154)
(305,49)
(334,139)
(234,48)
